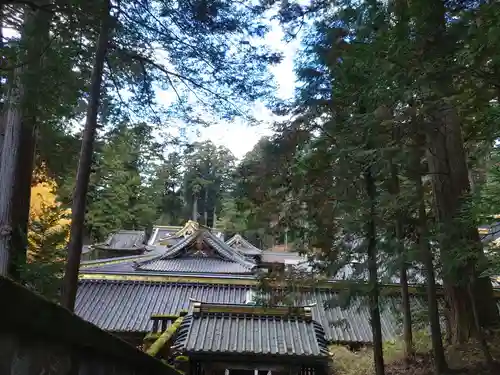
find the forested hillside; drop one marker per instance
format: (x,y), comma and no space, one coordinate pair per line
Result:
(387,157)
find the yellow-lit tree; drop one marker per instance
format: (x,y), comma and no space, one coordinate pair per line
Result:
(44,201)
(47,240)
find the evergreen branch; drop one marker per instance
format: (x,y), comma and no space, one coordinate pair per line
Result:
(165,33)
(32,4)
(30,61)
(115,84)
(182,78)
(145,74)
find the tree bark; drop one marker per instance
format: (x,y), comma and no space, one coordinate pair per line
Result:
(37,41)
(449,175)
(2,78)
(480,334)
(378,354)
(440,364)
(70,282)
(405,295)
(10,149)
(400,8)
(194,215)
(205,212)
(450,185)
(214,218)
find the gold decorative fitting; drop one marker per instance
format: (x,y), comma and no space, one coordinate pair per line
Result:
(307,312)
(197,307)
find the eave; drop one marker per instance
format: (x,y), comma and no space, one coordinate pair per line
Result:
(219,279)
(194,279)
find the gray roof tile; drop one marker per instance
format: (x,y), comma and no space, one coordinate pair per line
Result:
(177,258)
(493,232)
(123,264)
(231,333)
(165,234)
(128,305)
(120,267)
(241,244)
(196,264)
(124,240)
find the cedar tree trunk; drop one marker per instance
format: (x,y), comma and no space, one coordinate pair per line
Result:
(405,295)
(37,32)
(440,364)
(450,185)
(10,149)
(378,354)
(70,282)
(449,175)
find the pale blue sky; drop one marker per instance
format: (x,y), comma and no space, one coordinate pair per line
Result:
(238,136)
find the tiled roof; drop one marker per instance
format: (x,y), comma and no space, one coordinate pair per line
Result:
(247,333)
(227,251)
(161,233)
(489,233)
(123,264)
(241,244)
(86,249)
(224,259)
(124,240)
(170,235)
(178,259)
(195,264)
(127,306)
(352,324)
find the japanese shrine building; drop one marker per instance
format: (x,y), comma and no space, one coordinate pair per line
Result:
(188,295)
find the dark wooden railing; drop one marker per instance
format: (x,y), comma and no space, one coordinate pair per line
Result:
(162,322)
(40,337)
(163,333)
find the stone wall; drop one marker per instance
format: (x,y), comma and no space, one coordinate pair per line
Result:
(38,337)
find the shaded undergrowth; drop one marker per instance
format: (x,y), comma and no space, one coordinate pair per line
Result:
(466,359)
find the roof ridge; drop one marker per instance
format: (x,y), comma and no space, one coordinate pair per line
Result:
(168,252)
(99,262)
(180,231)
(219,308)
(239,237)
(230,252)
(225,251)
(109,238)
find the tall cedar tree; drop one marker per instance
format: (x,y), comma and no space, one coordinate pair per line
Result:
(121,192)
(417,149)
(85,163)
(208,172)
(20,124)
(33,90)
(51,86)
(449,175)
